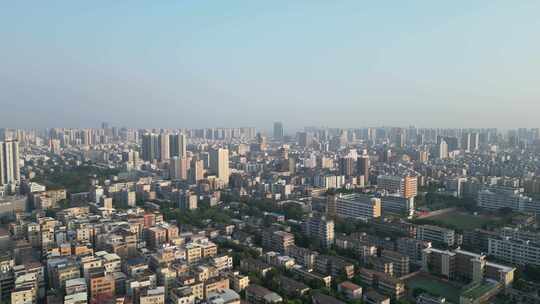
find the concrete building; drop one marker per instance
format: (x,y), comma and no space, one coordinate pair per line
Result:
(469,266)
(400,262)
(362,167)
(219,164)
(443,149)
(278,130)
(9,162)
(515,251)
(439,262)
(350,290)
(346,166)
(429,299)
(373,297)
(178,143)
(150,147)
(406,186)
(196,171)
(357,206)
(256,294)
(223,296)
(178,168)
(412,248)
(302,256)
(320,228)
(497,197)
(278,241)
(397,205)
(102,286)
(164,147)
(436,234)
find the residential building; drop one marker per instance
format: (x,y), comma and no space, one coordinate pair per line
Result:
(515,251)
(357,206)
(256,294)
(321,228)
(436,234)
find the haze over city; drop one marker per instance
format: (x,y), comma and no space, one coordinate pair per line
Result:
(269,152)
(248,63)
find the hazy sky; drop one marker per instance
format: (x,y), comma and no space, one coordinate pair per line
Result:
(247,63)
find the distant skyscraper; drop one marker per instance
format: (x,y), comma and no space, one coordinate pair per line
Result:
(420,139)
(9,162)
(305,139)
(278,131)
(196,171)
(292,164)
(423,156)
(261,144)
(362,167)
(178,144)
(346,166)
(164,147)
(179,168)
(219,164)
(452,143)
(475,141)
(400,139)
(150,147)
(443,149)
(466,142)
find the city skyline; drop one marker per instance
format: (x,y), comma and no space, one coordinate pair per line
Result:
(269,152)
(196,64)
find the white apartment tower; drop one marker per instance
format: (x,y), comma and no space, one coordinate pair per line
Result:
(219,164)
(9,162)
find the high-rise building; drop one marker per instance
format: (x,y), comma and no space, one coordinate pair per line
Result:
(404,186)
(164,147)
(150,147)
(196,171)
(362,167)
(305,139)
(178,144)
(187,200)
(466,142)
(443,149)
(346,166)
(219,164)
(423,156)
(278,131)
(470,141)
(475,141)
(410,188)
(179,168)
(9,162)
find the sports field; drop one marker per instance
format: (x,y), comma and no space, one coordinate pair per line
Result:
(461,220)
(435,286)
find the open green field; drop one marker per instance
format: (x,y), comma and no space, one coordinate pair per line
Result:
(461,220)
(479,290)
(435,287)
